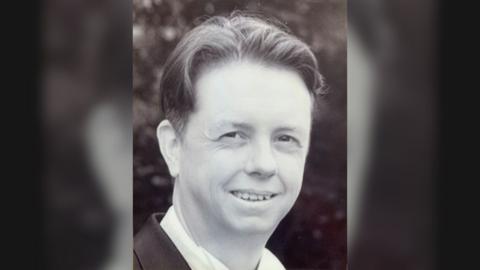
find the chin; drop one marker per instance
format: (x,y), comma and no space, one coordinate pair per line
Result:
(255,225)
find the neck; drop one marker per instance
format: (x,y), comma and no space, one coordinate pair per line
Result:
(238,251)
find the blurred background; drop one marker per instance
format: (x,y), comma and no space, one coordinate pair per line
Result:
(392,134)
(313,235)
(93,75)
(86,103)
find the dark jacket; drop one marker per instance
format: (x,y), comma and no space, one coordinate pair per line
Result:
(154,250)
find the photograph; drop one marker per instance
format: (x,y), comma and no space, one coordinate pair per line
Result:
(239,134)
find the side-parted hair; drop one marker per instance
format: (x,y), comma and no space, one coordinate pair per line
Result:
(222,39)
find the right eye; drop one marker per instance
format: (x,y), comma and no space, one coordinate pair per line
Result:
(233,138)
(233,135)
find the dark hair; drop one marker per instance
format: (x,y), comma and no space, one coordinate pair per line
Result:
(222,39)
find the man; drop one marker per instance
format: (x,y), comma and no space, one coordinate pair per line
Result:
(238,96)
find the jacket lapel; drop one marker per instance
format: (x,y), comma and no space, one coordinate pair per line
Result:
(154,250)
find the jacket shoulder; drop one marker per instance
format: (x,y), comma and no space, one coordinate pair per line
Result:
(136,262)
(154,250)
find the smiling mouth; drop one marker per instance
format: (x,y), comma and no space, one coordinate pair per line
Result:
(253,196)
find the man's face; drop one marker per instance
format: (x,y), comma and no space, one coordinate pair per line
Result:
(243,150)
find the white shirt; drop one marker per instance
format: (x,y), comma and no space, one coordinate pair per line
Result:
(197,257)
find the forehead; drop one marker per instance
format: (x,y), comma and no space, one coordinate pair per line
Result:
(253,91)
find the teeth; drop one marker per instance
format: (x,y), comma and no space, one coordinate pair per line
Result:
(251,196)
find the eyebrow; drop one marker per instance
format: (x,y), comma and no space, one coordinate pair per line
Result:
(286,128)
(228,124)
(222,124)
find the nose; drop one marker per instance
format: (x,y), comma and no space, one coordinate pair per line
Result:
(261,163)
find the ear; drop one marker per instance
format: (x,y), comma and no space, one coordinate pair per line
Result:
(169,146)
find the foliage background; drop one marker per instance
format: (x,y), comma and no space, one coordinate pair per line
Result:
(313,235)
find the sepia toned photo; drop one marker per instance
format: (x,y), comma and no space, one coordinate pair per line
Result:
(239,135)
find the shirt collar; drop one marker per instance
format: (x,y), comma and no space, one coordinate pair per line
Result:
(199,258)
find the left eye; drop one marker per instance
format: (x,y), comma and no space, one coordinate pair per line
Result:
(286,138)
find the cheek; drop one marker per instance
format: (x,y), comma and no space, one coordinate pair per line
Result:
(212,170)
(224,164)
(290,170)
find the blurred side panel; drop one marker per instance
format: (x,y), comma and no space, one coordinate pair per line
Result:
(392,122)
(86,120)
